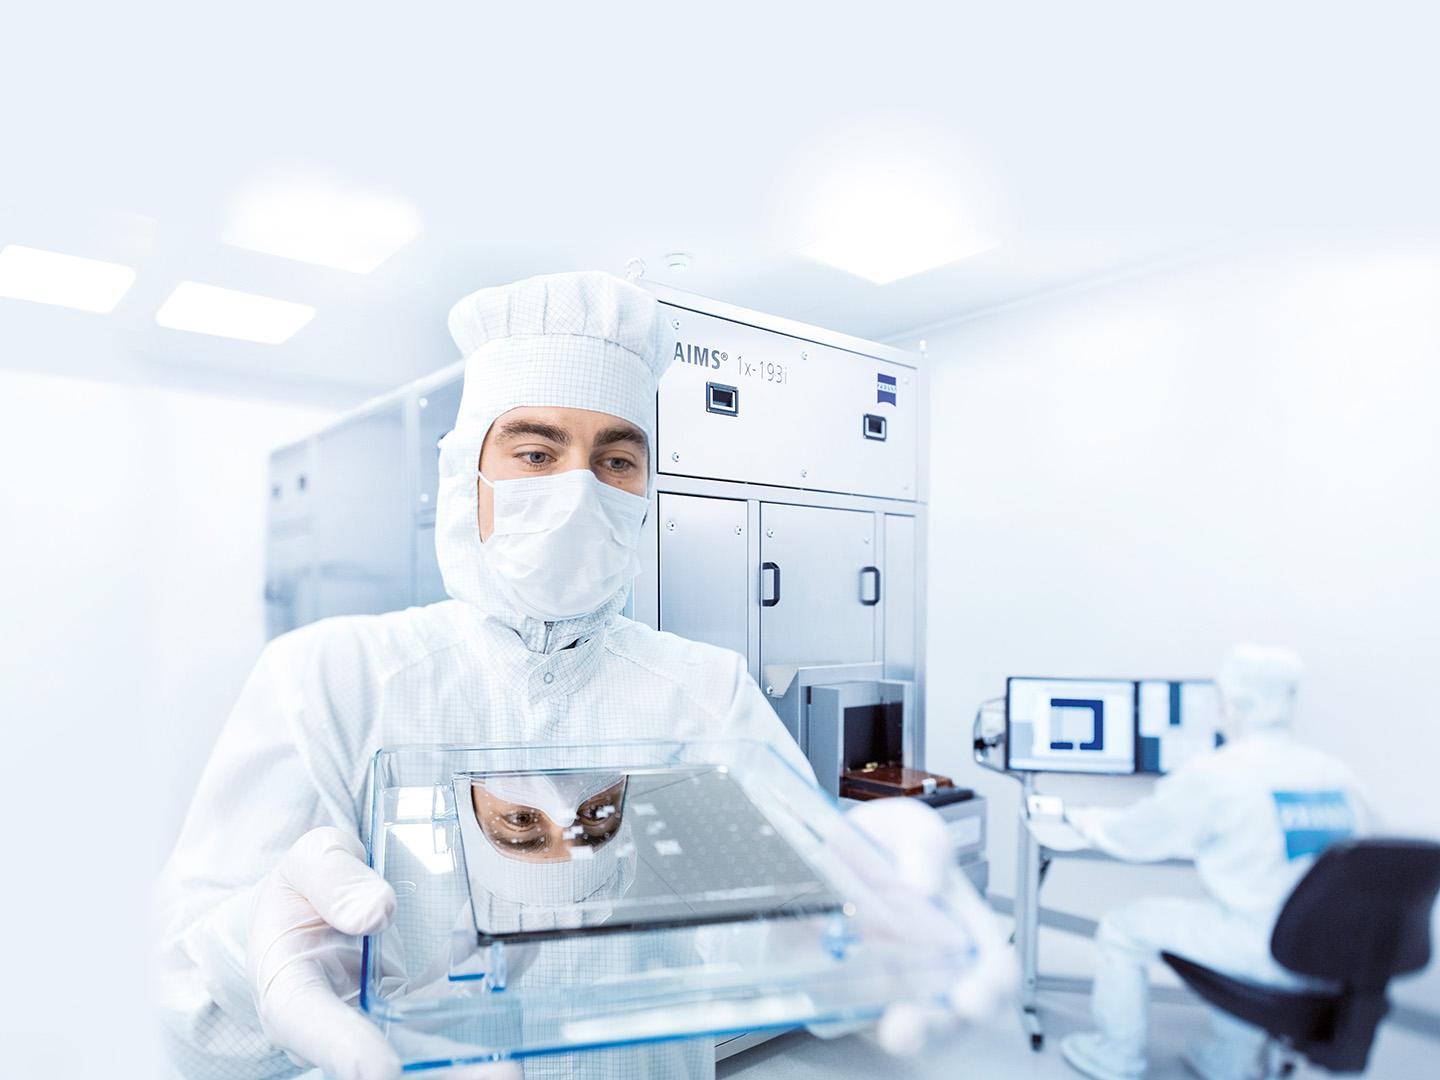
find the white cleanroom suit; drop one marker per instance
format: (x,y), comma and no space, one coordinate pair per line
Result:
(1253,815)
(475,670)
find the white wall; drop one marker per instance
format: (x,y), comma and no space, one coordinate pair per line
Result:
(133,552)
(1127,479)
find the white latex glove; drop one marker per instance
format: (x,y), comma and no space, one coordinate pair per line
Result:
(921,873)
(303,960)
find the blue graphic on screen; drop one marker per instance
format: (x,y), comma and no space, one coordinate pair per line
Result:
(1313,820)
(1066,709)
(1070,725)
(1178,720)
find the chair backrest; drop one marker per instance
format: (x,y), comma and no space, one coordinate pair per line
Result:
(1361,915)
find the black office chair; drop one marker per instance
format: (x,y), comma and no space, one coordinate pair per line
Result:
(1358,918)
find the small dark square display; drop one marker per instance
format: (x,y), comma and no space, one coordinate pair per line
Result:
(722,399)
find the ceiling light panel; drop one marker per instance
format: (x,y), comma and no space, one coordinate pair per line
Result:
(886,226)
(209,309)
(323,223)
(48,277)
(884,199)
(881,255)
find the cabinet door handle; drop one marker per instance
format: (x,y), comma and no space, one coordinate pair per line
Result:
(875,597)
(774,597)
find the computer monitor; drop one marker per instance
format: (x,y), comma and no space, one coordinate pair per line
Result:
(1177,719)
(1070,725)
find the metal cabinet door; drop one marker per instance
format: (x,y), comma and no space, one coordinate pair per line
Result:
(704,578)
(362,537)
(898,600)
(817,575)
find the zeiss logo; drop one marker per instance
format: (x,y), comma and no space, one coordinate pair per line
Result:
(885,389)
(702,357)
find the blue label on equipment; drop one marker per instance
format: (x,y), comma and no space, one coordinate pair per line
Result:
(1313,820)
(885,389)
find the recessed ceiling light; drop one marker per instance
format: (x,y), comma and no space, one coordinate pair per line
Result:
(320,222)
(879,254)
(885,198)
(209,309)
(887,226)
(47,277)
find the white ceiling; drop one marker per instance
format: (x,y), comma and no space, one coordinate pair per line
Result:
(1088,138)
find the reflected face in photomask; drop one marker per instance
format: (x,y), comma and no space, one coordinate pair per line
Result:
(523,832)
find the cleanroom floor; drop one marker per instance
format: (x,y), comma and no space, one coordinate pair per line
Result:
(1001,1049)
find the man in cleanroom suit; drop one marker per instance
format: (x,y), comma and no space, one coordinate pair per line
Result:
(544,485)
(1253,815)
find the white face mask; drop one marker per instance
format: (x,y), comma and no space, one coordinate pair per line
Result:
(564,544)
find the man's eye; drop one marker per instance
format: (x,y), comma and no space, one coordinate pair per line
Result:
(620,464)
(522,819)
(535,457)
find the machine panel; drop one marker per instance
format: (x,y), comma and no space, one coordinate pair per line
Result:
(291,476)
(290,599)
(704,570)
(289,568)
(897,603)
(742,403)
(816,580)
(435,411)
(363,552)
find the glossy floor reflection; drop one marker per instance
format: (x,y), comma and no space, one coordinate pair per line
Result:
(1001,1050)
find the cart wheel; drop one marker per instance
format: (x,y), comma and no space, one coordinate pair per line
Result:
(1037,1042)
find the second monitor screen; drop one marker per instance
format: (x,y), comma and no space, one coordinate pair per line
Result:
(1070,725)
(1178,720)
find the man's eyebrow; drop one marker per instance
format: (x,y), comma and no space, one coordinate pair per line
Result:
(515,429)
(621,433)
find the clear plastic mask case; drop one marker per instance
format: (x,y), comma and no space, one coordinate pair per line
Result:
(562,898)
